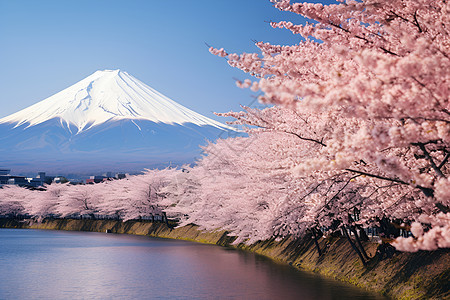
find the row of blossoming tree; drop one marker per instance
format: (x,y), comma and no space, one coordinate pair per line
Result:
(134,197)
(357,136)
(366,97)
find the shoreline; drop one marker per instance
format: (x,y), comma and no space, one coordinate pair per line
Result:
(421,275)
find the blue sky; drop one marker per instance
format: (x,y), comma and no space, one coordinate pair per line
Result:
(46,46)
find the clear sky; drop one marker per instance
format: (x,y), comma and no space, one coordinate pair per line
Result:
(48,45)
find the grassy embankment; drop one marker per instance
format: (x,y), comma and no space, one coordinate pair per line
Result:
(422,275)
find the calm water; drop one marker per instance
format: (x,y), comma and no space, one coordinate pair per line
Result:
(36,264)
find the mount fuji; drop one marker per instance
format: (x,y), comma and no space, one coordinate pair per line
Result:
(107,121)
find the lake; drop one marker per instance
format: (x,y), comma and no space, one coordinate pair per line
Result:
(39,264)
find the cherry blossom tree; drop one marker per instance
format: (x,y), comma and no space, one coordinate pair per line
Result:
(377,72)
(42,204)
(137,197)
(229,190)
(80,201)
(12,200)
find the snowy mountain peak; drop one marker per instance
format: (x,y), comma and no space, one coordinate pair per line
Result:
(108,95)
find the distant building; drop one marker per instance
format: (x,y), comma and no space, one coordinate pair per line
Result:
(4,172)
(120,176)
(105,177)
(95,179)
(35,182)
(4,179)
(39,180)
(17,180)
(4,176)
(60,179)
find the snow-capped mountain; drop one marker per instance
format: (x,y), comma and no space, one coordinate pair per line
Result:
(107,121)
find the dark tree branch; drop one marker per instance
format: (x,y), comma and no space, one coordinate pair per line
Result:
(269,127)
(428,90)
(416,22)
(304,196)
(444,161)
(382,187)
(426,191)
(427,119)
(430,159)
(442,207)
(307,139)
(339,191)
(388,51)
(400,17)
(377,176)
(362,38)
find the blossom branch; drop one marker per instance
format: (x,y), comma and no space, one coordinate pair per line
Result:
(430,159)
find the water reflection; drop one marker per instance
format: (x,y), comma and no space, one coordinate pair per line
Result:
(60,265)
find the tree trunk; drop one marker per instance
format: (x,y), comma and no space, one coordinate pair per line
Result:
(314,234)
(358,241)
(165,219)
(354,246)
(363,236)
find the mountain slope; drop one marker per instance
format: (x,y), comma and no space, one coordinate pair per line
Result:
(109,120)
(108,95)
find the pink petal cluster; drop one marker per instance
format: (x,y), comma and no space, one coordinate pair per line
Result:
(377,73)
(437,237)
